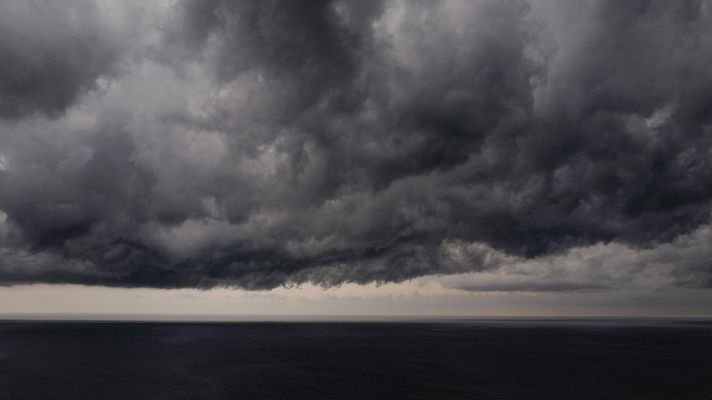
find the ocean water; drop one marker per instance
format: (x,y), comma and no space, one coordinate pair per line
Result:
(465,359)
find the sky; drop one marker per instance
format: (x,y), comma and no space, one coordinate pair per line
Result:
(444,157)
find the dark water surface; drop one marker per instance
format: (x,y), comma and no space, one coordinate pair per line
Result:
(479,359)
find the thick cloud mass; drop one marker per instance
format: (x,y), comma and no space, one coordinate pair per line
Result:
(51,54)
(261,143)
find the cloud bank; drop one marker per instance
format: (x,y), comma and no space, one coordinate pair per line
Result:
(544,145)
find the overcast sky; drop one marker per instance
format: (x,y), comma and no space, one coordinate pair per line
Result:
(345,157)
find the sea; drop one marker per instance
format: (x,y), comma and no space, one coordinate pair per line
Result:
(498,358)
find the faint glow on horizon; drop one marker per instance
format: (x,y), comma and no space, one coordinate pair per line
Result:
(418,297)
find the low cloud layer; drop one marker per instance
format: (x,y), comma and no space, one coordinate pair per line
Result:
(542,145)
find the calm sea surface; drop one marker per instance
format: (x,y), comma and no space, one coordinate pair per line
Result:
(467,359)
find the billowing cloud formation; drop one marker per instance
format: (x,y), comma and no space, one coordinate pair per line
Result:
(261,143)
(683,263)
(51,54)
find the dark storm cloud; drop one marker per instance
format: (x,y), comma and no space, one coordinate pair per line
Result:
(51,54)
(259,143)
